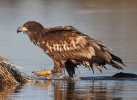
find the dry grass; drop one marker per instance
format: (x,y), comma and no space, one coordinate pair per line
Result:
(9,73)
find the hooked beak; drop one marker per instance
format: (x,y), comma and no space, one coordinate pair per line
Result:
(22,29)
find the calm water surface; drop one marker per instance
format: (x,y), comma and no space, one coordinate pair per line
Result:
(114,22)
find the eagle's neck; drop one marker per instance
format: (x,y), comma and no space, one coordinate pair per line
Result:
(34,36)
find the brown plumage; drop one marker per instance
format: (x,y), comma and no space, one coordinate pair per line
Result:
(68,47)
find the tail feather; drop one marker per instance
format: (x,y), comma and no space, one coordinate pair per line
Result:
(115,58)
(113,64)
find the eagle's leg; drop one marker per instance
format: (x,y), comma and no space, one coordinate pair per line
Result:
(58,66)
(70,67)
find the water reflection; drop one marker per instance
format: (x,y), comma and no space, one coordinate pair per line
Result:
(81,90)
(7,90)
(66,90)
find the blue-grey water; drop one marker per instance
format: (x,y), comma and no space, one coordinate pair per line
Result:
(114,22)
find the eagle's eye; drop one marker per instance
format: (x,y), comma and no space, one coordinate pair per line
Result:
(27,26)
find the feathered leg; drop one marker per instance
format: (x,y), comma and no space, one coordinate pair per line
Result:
(58,66)
(70,67)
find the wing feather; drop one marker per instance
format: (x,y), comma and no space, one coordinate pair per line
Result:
(75,46)
(59,28)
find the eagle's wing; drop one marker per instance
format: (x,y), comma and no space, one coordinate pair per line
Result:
(65,42)
(59,28)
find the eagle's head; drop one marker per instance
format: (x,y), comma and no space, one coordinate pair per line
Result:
(31,27)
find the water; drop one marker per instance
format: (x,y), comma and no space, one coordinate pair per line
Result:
(112,22)
(78,90)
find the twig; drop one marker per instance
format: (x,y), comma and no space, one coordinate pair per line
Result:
(12,64)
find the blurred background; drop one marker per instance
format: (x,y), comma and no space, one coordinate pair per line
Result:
(114,22)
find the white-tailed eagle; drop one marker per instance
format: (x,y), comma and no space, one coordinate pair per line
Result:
(68,47)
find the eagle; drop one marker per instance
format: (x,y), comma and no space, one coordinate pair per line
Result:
(69,48)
